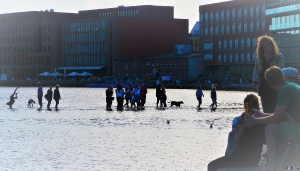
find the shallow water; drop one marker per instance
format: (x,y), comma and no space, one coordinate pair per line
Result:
(82,135)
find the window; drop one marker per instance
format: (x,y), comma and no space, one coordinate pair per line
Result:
(230,43)
(222,15)
(206,17)
(245,12)
(239,13)
(219,44)
(233,28)
(225,44)
(242,57)
(216,16)
(211,30)
(216,29)
(233,14)
(245,26)
(222,29)
(248,56)
(236,42)
(251,26)
(242,42)
(227,28)
(236,57)
(224,57)
(219,57)
(257,25)
(228,14)
(230,57)
(248,41)
(211,16)
(239,27)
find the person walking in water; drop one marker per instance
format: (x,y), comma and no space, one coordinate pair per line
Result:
(40,94)
(127,96)
(109,97)
(49,97)
(120,97)
(12,98)
(56,96)
(158,94)
(163,97)
(213,96)
(199,94)
(143,95)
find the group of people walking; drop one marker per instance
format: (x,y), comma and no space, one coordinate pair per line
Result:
(135,96)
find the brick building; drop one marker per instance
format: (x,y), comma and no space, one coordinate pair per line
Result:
(30,43)
(98,37)
(228,32)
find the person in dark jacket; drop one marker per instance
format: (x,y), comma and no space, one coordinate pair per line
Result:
(213,96)
(56,96)
(158,94)
(199,94)
(109,93)
(143,95)
(40,94)
(49,97)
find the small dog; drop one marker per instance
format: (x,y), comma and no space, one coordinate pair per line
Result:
(176,103)
(31,102)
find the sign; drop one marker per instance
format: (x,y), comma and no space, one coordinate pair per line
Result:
(166,78)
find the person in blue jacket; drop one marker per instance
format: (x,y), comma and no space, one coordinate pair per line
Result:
(199,94)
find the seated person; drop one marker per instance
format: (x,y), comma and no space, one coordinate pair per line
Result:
(250,140)
(287,103)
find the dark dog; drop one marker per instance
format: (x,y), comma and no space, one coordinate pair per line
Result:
(31,102)
(176,103)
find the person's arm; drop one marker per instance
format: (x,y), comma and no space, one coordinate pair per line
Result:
(255,71)
(239,133)
(275,118)
(280,61)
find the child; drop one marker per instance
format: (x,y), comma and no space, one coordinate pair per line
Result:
(12,98)
(199,95)
(250,102)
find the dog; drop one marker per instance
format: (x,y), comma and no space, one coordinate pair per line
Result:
(176,103)
(31,102)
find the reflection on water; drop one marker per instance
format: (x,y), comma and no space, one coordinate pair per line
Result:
(82,135)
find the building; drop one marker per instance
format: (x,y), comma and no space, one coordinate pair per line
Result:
(228,32)
(30,43)
(179,65)
(194,37)
(100,37)
(285,28)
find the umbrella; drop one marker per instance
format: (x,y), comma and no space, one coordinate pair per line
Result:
(45,74)
(56,74)
(74,74)
(85,74)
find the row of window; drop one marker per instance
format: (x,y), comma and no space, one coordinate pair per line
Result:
(125,13)
(27,60)
(232,14)
(237,42)
(22,49)
(172,74)
(8,30)
(233,28)
(86,26)
(160,65)
(291,37)
(282,9)
(285,22)
(224,57)
(85,37)
(15,19)
(85,59)
(19,39)
(86,48)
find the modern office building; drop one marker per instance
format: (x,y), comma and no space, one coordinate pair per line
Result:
(228,32)
(97,38)
(285,28)
(30,43)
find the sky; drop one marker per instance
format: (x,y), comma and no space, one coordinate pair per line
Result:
(186,9)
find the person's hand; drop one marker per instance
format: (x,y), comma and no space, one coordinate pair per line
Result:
(249,121)
(257,113)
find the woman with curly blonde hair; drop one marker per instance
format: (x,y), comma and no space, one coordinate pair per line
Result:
(267,55)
